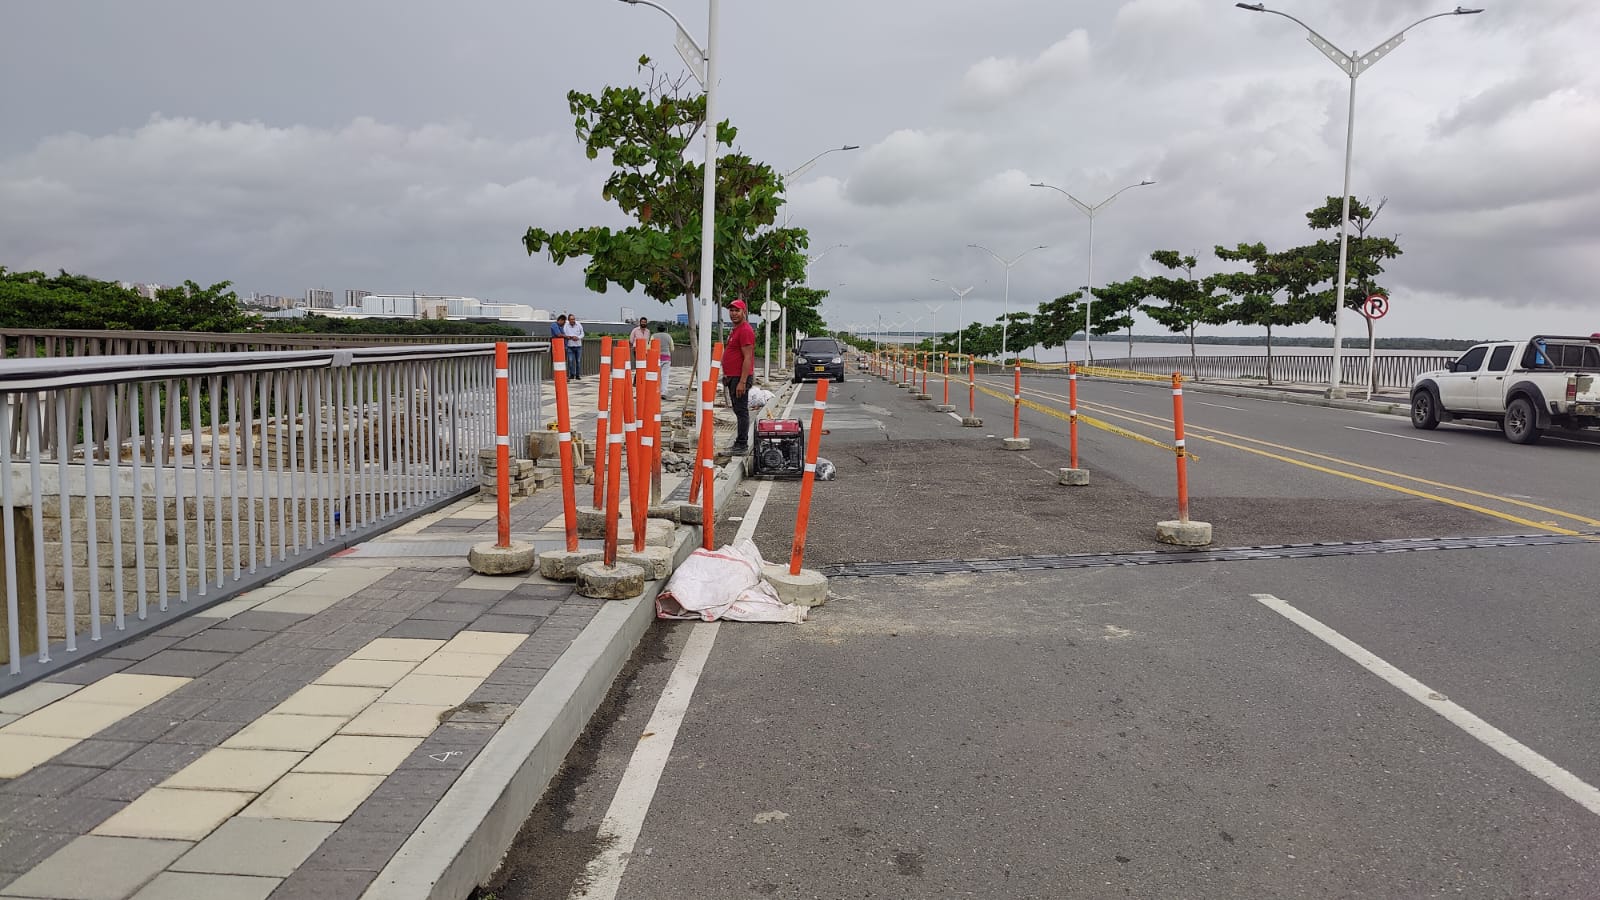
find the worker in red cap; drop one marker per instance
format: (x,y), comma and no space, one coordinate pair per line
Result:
(738,368)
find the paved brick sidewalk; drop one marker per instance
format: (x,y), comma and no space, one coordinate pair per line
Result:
(286,743)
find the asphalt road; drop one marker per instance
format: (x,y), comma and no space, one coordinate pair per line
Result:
(1151,731)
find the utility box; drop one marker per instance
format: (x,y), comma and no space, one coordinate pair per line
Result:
(780,448)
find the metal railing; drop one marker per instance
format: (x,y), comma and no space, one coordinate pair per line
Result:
(136,489)
(1395,372)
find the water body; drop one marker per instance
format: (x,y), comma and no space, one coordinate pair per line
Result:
(1115,349)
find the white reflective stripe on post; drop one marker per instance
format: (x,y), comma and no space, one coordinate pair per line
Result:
(1072,412)
(652,376)
(605,359)
(1177,443)
(820,404)
(811,467)
(614,438)
(708,463)
(561,367)
(565,437)
(603,415)
(502,373)
(1177,392)
(648,441)
(1016,396)
(502,440)
(705,407)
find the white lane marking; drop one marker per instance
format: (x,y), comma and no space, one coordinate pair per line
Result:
(625,817)
(619,830)
(954,416)
(1575,788)
(1403,437)
(1220,406)
(1130,392)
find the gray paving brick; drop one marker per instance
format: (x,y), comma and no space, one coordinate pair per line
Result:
(515,675)
(259,620)
(123,784)
(182,704)
(424,595)
(514,605)
(186,663)
(22,849)
(451,612)
(242,669)
(485,597)
(324,884)
(225,640)
(362,850)
(239,711)
(500,693)
(205,734)
(377,593)
(141,648)
(73,813)
(186,627)
(424,628)
(48,780)
(388,618)
(505,624)
(162,757)
(544,591)
(98,753)
(91,671)
(483,713)
(141,728)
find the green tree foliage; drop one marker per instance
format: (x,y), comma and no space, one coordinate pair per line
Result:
(1058,320)
(646,131)
(1366,257)
(1017,334)
(1182,304)
(804,309)
(1114,306)
(36,300)
(1274,293)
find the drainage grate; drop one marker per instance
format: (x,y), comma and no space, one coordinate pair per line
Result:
(1171,557)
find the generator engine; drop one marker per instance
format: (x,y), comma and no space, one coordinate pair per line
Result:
(780,448)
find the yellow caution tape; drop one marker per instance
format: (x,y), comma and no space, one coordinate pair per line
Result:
(1098,372)
(1090,420)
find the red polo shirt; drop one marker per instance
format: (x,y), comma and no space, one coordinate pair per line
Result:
(739,353)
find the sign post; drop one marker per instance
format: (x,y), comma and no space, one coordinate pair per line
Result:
(769,311)
(1375,307)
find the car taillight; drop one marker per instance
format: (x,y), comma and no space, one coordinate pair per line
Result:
(1572,388)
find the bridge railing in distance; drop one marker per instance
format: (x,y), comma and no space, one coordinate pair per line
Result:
(1393,372)
(137,489)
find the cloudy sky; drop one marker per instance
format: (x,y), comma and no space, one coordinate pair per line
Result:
(396,145)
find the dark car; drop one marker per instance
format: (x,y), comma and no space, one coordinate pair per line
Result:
(817,358)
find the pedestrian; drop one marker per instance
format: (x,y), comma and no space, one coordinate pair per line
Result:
(574,335)
(738,368)
(558,328)
(640,333)
(664,344)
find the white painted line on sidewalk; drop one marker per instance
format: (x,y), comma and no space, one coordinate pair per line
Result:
(1220,406)
(1575,788)
(1403,437)
(630,806)
(619,831)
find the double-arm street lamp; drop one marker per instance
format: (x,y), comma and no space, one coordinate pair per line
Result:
(1352,64)
(961,297)
(1090,211)
(1005,320)
(702,62)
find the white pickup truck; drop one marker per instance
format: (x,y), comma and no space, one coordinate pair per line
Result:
(1527,386)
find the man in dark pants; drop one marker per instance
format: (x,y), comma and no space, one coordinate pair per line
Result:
(738,368)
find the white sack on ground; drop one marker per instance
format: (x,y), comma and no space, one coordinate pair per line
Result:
(724,584)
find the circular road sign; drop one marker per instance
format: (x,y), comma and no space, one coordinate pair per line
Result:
(770,309)
(1376,306)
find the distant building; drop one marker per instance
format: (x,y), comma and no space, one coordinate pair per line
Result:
(353,297)
(147,291)
(317,298)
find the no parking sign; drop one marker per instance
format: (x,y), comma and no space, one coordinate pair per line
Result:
(1376,306)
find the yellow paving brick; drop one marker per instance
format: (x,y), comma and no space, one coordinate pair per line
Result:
(367,672)
(483,642)
(174,815)
(37,695)
(408,649)
(283,732)
(432,690)
(313,798)
(123,689)
(359,755)
(328,700)
(70,719)
(228,769)
(471,665)
(19,753)
(396,720)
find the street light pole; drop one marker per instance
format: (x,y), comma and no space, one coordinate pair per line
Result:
(1005,320)
(702,64)
(1352,64)
(1086,209)
(961,297)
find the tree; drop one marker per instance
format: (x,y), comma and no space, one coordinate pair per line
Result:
(1181,304)
(36,300)
(1289,275)
(1058,321)
(1364,259)
(646,130)
(803,304)
(1114,306)
(1018,333)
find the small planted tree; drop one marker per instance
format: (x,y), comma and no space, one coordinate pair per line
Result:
(1058,320)
(1274,292)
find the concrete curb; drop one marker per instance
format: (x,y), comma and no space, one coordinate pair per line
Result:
(461,843)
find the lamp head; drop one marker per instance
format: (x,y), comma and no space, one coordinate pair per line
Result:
(1253,7)
(1463,11)
(1147,181)
(851,147)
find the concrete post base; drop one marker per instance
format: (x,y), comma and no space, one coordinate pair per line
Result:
(945,407)
(903,386)
(488,559)
(1337,393)
(806,589)
(591,522)
(691,513)
(668,511)
(1184,534)
(655,561)
(1016,443)
(562,565)
(971,422)
(922,396)
(602,582)
(1073,477)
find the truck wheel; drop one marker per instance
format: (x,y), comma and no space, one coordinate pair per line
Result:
(1521,424)
(1425,409)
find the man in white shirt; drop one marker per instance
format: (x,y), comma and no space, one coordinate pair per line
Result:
(665,346)
(640,333)
(574,332)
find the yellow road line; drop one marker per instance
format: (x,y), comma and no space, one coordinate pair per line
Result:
(1205,433)
(1087,420)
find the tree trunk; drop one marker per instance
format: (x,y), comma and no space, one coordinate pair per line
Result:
(1269,354)
(1194,362)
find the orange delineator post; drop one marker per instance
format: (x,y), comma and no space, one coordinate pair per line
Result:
(1178,447)
(502,440)
(947,379)
(652,395)
(601,428)
(1016,402)
(569,490)
(802,516)
(638,493)
(707,448)
(926,363)
(614,435)
(1072,410)
(972,389)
